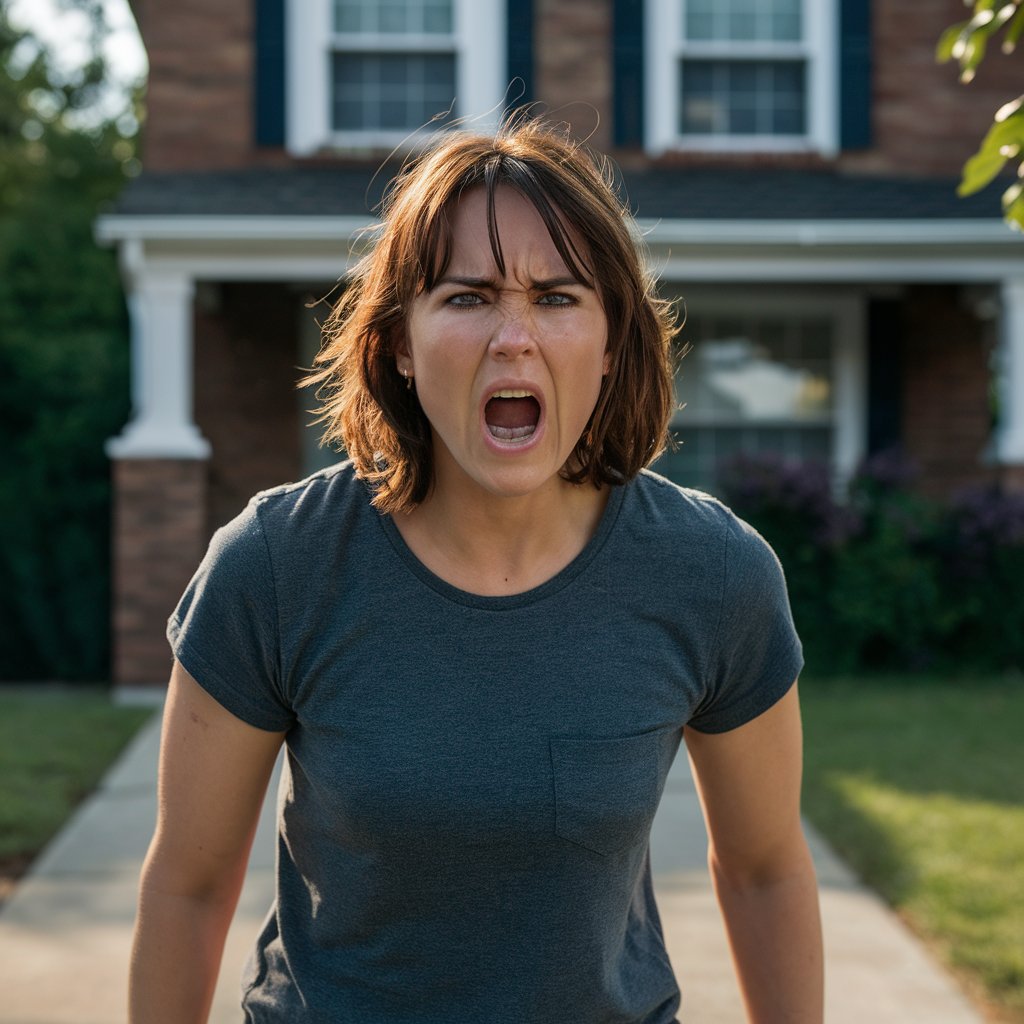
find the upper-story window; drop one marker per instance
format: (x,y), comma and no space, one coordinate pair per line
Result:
(741,75)
(368,74)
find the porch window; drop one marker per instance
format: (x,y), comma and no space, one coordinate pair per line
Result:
(742,75)
(786,381)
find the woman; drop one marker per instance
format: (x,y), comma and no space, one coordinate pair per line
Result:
(481,641)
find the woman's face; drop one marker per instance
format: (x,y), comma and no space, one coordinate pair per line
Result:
(507,368)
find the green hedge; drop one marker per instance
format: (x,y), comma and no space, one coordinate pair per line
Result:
(885,579)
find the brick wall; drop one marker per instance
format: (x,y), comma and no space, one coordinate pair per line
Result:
(199,96)
(246,358)
(159,538)
(573,64)
(946,424)
(924,120)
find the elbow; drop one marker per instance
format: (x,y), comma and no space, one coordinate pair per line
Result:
(759,868)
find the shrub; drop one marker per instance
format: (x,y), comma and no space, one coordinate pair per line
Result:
(884,578)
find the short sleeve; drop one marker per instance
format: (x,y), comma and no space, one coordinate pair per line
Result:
(224,630)
(756,654)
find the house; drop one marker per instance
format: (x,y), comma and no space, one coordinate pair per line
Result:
(793,163)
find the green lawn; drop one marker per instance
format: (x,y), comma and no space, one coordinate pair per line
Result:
(919,784)
(55,745)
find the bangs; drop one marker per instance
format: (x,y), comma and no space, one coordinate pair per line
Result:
(435,249)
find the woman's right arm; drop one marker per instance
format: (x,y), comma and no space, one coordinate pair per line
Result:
(214,770)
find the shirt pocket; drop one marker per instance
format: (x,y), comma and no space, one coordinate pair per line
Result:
(607,790)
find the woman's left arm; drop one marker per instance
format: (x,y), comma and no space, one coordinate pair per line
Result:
(748,780)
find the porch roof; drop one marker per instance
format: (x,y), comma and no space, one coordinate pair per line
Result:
(672,193)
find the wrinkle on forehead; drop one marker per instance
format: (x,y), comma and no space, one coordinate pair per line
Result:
(560,233)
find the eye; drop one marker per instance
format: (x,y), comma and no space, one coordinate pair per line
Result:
(464,300)
(556,299)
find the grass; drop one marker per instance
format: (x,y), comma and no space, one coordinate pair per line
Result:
(919,784)
(55,745)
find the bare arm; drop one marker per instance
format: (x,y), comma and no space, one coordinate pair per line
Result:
(214,771)
(749,785)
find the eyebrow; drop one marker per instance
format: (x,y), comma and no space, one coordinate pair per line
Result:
(544,285)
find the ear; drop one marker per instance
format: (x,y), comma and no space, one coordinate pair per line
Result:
(403,357)
(606,364)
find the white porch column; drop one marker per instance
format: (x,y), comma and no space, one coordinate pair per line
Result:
(1009,446)
(160,313)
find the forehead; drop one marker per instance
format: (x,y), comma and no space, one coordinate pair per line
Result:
(507,233)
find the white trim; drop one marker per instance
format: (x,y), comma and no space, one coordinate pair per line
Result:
(160,312)
(828,232)
(119,227)
(772,267)
(665,46)
(307,76)
(849,385)
(682,232)
(1009,439)
(478,40)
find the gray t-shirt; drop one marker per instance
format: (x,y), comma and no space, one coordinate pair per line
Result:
(470,781)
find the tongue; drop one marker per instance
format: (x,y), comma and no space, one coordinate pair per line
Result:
(512,413)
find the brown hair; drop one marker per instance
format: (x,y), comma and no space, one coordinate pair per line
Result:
(365,403)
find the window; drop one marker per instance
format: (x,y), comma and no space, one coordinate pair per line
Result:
(741,75)
(368,74)
(783,377)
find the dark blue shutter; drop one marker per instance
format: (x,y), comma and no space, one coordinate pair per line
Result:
(269,72)
(628,72)
(854,74)
(886,332)
(519,51)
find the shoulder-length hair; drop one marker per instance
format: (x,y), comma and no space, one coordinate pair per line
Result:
(366,404)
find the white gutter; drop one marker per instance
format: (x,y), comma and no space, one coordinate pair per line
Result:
(829,232)
(123,227)
(803,233)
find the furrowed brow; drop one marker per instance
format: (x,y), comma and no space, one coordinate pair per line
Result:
(467,282)
(549,283)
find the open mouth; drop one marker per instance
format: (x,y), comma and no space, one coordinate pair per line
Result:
(512,415)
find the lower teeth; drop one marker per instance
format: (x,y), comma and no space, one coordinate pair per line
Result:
(510,433)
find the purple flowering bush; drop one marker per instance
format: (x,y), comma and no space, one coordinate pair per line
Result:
(882,578)
(983,566)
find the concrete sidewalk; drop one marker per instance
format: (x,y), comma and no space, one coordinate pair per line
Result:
(65,933)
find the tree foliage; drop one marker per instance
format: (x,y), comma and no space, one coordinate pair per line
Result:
(63,357)
(967,42)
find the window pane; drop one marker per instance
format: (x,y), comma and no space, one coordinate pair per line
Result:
(742,19)
(759,370)
(733,97)
(393,17)
(390,91)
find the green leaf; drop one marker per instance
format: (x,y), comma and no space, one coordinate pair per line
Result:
(981,169)
(947,41)
(1008,109)
(1014,32)
(1013,212)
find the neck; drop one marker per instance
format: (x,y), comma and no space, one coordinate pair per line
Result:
(495,546)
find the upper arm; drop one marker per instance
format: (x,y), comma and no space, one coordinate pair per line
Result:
(749,780)
(214,770)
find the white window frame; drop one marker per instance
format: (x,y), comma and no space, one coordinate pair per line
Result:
(847,312)
(478,40)
(666,47)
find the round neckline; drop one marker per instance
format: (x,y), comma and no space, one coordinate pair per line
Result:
(543,590)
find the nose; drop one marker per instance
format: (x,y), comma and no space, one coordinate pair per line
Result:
(514,335)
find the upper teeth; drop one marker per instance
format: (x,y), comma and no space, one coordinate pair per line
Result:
(512,393)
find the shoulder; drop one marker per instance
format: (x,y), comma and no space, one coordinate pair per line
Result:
(659,504)
(690,528)
(329,495)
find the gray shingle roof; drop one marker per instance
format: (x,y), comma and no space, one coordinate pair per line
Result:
(761,194)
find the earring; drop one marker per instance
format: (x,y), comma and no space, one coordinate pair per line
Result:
(408,380)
